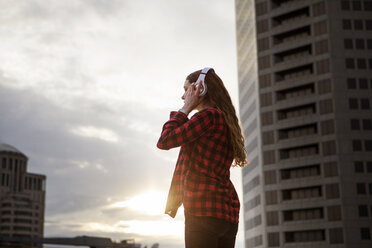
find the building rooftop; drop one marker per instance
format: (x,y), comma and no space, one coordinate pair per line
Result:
(8,148)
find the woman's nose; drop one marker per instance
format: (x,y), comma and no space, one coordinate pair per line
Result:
(183,97)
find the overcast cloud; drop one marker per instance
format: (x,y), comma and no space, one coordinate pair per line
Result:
(85,87)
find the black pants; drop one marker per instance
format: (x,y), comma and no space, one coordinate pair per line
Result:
(209,232)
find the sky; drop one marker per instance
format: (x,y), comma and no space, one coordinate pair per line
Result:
(85,87)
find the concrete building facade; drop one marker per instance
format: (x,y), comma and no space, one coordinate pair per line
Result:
(305,92)
(22,196)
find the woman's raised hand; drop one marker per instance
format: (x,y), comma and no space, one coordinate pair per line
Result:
(192,98)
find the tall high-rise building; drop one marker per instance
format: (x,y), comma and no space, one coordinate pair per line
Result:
(22,196)
(305,92)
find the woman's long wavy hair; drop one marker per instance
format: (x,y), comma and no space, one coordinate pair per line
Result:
(218,96)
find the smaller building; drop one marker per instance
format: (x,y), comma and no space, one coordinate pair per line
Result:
(22,196)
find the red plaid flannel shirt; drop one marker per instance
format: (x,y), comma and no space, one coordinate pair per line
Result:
(201,179)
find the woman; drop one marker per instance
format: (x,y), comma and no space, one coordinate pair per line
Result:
(211,141)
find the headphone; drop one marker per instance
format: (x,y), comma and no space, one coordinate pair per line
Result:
(201,77)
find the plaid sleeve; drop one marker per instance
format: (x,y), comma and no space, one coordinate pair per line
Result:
(179,130)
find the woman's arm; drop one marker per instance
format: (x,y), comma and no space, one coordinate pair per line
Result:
(180,130)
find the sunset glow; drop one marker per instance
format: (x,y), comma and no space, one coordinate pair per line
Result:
(149,203)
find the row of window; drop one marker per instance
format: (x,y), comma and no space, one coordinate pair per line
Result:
(330,169)
(8,163)
(359,44)
(358,63)
(334,214)
(20,213)
(27,221)
(363,166)
(335,236)
(30,183)
(18,228)
(362,145)
(358,83)
(328,148)
(361,124)
(17,205)
(356,5)
(361,188)
(357,24)
(362,103)
(332,191)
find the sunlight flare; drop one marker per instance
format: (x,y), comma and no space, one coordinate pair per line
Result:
(149,203)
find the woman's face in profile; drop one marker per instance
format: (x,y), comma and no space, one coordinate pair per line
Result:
(186,86)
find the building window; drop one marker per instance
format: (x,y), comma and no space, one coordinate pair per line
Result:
(365,233)
(253,222)
(262,26)
(357,145)
(358,166)
(353,103)
(368,5)
(358,24)
(263,44)
(355,124)
(332,191)
(321,46)
(269,157)
(346,24)
(324,86)
(304,236)
(271,197)
(368,145)
(363,210)
(359,44)
(369,24)
(349,63)
(302,193)
(334,213)
(336,236)
(303,214)
(330,169)
(369,166)
(357,5)
(345,5)
(351,83)
(270,177)
(329,148)
(267,118)
(261,8)
(320,28)
(273,239)
(361,188)
(272,218)
(3,165)
(322,66)
(363,83)
(369,44)
(327,127)
(364,103)
(325,106)
(348,43)
(361,64)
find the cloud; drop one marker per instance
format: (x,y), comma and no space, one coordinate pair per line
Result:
(95,132)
